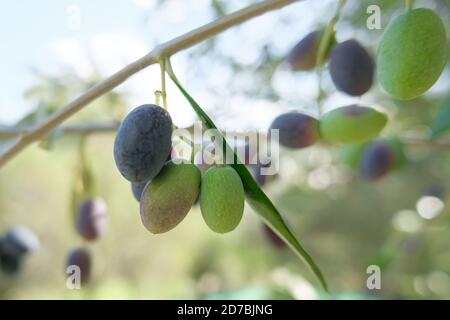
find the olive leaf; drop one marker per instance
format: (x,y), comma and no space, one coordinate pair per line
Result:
(255,196)
(441,122)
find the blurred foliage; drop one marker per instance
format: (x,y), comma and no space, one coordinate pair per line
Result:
(346,223)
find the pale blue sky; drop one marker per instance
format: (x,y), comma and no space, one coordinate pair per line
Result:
(31,32)
(35,35)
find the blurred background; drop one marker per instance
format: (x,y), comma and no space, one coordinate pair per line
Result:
(54,51)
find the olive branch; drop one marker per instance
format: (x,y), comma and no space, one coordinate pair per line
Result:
(159,53)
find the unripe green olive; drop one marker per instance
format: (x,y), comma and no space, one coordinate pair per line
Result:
(352,124)
(167,199)
(222,199)
(412,53)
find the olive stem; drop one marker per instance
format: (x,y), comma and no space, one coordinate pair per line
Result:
(321,93)
(166,49)
(410,4)
(326,38)
(162,64)
(322,51)
(158,97)
(84,129)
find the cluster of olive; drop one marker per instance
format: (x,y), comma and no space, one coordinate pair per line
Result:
(167,189)
(411,57)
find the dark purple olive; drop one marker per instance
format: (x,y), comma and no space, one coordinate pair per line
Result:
(10,259)
(303,55)
(21,239)
(137,188)
(296,130)
(351,68)
(81,258)
(143,143)
(92,218)
(377,160)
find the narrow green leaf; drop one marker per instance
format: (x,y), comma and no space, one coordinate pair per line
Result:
(441,122)
(255,196)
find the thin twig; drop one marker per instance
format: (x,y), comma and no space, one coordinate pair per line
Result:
(106,128)
(82,129)
(162,64)
(421,140)
(409,4)
(166,49)
(328,33)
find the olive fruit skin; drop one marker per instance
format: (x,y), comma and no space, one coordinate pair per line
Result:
(222,199)
(82,258)
(92,218)
(412,53)
(296,130)
(377,160)
(351,68)
(21,240)
(352,124)
(167,199)
(143,143)
(10,258)
(137,188)
(10,262)
(303,55)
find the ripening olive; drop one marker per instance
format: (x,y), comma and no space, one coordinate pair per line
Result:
(412,53)
(352,124)
(351,154)
(303,55)
(222,199)
(296,130)
(167,199)
(143,143)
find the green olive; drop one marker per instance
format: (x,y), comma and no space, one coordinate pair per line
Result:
(222,199)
